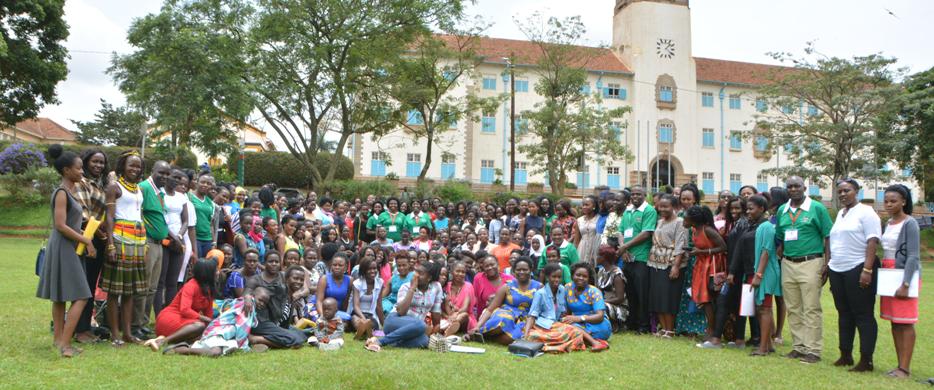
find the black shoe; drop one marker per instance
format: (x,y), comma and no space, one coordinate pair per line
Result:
(146,330)
(794,355)
(139,334)
(810,358)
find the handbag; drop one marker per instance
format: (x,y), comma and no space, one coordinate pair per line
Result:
(526,348)
(40,257)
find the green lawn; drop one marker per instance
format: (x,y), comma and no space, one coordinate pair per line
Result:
(13,214)
(28,360)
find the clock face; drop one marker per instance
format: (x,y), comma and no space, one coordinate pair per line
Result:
(665,48)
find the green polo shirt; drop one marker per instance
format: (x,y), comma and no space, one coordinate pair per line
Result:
(812,223)
(204,209)
(641,219)
(412,226)
(393,225)
(267,212)
(567,253)
(153,212)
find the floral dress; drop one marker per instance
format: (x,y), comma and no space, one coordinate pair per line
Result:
(690,320)
(510,316)
(590,240)
(588,302)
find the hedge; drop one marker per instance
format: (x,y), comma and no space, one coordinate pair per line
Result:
(350,189)
(187,159)
(283,169)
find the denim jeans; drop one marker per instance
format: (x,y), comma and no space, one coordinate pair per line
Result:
(404,332)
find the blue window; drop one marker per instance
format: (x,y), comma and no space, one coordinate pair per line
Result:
(708,138)
(489,83)
(378,164)
(614,91)
(522,175)
(861,194)
(665,94)
(906,172)
(522,126)
(448,75)
(761,106)
(622,94)
(665,134)
(489,122)
(583,179)
(612,177)
(487,171)
(762,186)
(415,118)
(812,110)
(707,182)
(413,165)
(585,89)
(735,103)
(522,85)
(880,196)
(617,131)
(736,140)
(788,109)
(813,189)
(735,185)
(762,143)
(707,99)
(447,166)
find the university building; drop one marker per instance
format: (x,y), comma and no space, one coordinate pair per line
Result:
(692,118)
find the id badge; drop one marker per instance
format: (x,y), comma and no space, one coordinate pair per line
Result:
(392,228)
(791,235)
(415,230)
(627,233)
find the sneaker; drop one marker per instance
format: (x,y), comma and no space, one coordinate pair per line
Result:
(734,345)
(810,358)
(709,345)
(778,341)
(794,355)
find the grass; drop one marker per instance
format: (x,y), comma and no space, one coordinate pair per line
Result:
(29,361)
(13,214)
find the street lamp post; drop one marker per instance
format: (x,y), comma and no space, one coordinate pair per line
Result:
(512,124)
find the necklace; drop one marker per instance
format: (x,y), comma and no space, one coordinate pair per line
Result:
(132,187)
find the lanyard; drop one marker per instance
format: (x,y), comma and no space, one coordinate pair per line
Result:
(794,217)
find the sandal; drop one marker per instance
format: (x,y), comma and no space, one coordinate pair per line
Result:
(601,346)
(372,345)
(667,335)
(133,340)
(155,343)
(171,348)
(899,373)
(69,352)
(758,353)
(118,343)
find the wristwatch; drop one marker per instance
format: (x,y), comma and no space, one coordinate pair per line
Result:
(582,319)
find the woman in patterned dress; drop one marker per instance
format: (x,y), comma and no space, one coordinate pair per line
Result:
(690,320)
(504,319)
(585,236)
(585,305)
(124,273)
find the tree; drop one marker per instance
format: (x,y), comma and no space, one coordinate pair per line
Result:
(828,114)
(570,125)
(32,58)
(318,68)
(119,126)
(186,72)
(915,122)
(422,83)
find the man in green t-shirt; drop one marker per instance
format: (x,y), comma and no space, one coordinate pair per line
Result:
(636,228)
(153,211)
(803,230)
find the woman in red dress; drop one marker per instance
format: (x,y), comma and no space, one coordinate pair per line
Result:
(185,318)
(710,266)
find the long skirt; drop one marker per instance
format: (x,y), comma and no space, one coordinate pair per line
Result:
(127,275)
(560,338)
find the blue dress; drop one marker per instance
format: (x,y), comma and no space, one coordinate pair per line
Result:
(394,285)
(589,302)
(339,293)
(510,317)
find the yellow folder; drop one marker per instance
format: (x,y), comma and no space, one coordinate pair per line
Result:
(93,224)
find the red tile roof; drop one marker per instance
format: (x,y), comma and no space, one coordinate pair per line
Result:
(47,129)
(528,53)
(735,72)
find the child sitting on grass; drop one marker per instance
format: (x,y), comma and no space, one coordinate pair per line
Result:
(329,334)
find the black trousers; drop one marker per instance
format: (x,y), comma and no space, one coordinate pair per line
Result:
(727,304)
(92,270)
(168,280)
(855,307)
(637,288)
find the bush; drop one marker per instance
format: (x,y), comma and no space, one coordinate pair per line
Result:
(187,159)
(454,191)
(18,158)
(570,186)
(283,169)
(224,175)
(349,189)
(32,187)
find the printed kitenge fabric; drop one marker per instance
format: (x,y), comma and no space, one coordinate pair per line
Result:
(127,275)
(560,338)
(510,317)
(232,323)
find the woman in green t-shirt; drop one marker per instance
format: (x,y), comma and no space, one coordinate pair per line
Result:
(204,210)
(392,220)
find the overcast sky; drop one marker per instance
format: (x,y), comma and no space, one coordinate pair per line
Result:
(742,30)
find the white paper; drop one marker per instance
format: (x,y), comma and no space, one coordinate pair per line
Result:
(747,304)
(465,349)
(891,279)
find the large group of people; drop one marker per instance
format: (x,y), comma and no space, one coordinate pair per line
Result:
(217,268)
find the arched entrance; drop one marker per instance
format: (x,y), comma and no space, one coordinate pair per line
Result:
(664,172)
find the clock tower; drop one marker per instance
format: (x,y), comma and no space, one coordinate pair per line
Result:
(653,39)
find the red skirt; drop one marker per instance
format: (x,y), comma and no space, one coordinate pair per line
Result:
(897,310)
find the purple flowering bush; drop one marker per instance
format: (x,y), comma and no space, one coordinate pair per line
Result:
(18,158)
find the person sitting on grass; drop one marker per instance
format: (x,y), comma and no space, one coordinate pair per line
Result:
(367,310)
(460,301)
(585,306)
(406,325)
(273,322)
(236,281)
(228,332)
(402,276)
(189,313)
(543,326)
(504,319)
(329,334)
